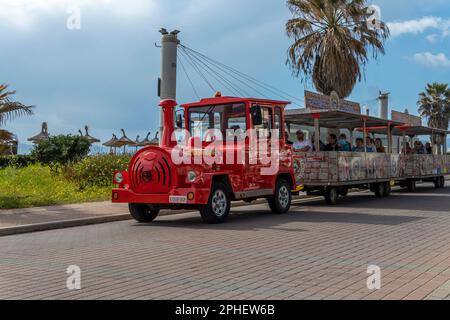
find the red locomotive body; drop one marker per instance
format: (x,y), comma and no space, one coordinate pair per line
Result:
(211,168)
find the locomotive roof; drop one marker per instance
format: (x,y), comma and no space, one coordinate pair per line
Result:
(228,100)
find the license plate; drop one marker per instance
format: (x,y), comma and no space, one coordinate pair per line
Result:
(178,199)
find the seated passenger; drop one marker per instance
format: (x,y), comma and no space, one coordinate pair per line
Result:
(418,148)
(332,143)
(379,146)
(370,144)
(359,145)
(343,144)
(428,148)
(302,144)
(406,149)
(321,144)
(288,142)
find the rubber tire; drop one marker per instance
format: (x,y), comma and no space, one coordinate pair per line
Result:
(274,202)
(331,196)
(412,186)
(343,192)
(380,189)
(442,182)
(206,211)
(142,213)
(387,189)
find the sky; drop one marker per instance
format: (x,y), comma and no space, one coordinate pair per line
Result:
(101,70)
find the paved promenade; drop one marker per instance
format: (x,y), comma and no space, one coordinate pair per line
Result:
(314,252)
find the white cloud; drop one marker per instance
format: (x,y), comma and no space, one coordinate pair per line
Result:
(430,60)
(421,26)
(25,14)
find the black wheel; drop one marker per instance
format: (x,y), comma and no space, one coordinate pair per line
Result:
(331,196)
(142,212)
(412,186)
(442,182)
(437,183)
(380,189)
(388,189)
(218,208)
(343,191)
(280,202)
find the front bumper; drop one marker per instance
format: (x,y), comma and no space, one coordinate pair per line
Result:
(189,196)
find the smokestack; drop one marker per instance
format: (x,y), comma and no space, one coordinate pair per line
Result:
(168,81)
(384,105)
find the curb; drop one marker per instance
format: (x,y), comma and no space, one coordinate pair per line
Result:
(64,224)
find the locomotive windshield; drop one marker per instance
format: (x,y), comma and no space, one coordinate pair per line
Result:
(220,117)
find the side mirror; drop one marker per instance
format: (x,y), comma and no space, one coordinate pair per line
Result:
(179,121)
(256,113)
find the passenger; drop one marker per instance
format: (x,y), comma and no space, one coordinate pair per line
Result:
(429,148)
(379,146)
(419,148)
(370,145)
(343,144)
(321,144)
(332,143)
(288,142)
(407,149)
(302,144)
(359,145)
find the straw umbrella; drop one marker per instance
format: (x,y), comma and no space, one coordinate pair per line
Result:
(125,141)
(89,138)
(155,140)
(113,143)
(146,142)
(37,139)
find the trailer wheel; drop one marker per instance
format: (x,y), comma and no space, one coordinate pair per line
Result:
(218,208)
(280,202)
(387,189)
(331,196)
(380,189)
(437,183)
(142,213)
(442,182)
(412,186)
(343,191)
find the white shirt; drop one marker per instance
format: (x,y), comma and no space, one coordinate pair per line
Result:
(302,144)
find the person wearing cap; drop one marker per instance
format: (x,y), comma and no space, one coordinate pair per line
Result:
(302,144)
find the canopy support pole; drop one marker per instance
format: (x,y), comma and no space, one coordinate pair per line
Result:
(316,117)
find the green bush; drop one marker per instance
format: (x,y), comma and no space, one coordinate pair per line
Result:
(61,150)
(17,161)
(96,170)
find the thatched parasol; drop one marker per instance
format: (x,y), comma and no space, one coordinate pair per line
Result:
(155,140)
(89,138)
(146,141)
(125,141)
(37,139)
(113,143)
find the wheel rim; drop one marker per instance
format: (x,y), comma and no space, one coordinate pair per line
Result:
(283,196)
(219,203)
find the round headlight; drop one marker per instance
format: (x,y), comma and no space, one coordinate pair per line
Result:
(119,177)
(191,176)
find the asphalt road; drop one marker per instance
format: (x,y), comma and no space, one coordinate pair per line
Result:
(314,252)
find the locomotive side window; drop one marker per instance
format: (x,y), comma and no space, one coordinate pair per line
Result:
(263,130)
(219,117)
(278,124)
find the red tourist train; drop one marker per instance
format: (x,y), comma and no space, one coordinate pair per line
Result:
(157,179)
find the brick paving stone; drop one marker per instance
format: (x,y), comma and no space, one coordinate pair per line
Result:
(314,252)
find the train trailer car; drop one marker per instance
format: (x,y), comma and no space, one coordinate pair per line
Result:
(333,173)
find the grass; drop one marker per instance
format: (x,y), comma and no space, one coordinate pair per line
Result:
(36,186)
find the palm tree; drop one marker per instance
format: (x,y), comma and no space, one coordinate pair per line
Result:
(332,40)
(9,110)
(434,104)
